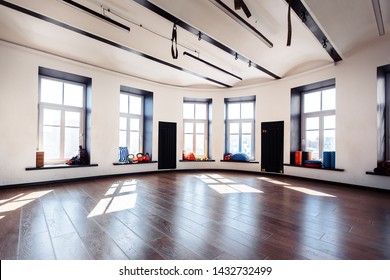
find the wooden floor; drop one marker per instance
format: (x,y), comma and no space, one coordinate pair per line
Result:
(194,215)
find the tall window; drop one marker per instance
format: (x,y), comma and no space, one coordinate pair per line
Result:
(61,118)
(383,113)
(240,127)
(319,121)
(195,115)
(131,122)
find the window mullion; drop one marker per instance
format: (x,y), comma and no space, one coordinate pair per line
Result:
(240,137)
(128,130)
(321,136)
(62,134)
(194,135)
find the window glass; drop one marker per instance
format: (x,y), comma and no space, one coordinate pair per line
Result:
(234,111)
(200,144)
(188,110)
(61,118)
(134,147)
(195,116)
(73,95)
(329,99)
(188,128)
(200,111)
(330,140)
(247,128)
(247,144)
(51,91)
(72,119)
(122,124)
(200,128)
(51,142)
(188,143)
(131,122)
(123,138)
(329,122)
(233,143)
(312,143)
(134,124)
(72,135)
(234,128)
(51,117)
(312,123)
(312,102)
(135,105)
(240,121)
(124,103)
(247,110)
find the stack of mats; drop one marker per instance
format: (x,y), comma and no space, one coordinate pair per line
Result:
(313,163)
(329,160)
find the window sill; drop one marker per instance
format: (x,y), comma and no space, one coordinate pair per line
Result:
(315,168)
(59,166)
(132,163)
(208,160)
(240,161)
(377,174)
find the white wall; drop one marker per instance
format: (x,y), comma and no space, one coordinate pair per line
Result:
(356,116)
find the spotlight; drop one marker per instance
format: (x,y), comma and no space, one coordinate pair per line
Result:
(236,56)
(250,63)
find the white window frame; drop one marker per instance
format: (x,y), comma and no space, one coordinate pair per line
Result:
(129,116)
(62,108)
(194,121)
(240,122)
(321,114)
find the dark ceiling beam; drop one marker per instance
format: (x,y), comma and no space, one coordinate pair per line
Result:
(211,65)
(105,41)
(152,7)
(96,14)
(223,7)
(308,20)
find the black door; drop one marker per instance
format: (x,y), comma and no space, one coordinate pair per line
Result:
(166,145)
(272,139)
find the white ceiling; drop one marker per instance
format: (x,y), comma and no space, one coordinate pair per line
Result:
(348,24)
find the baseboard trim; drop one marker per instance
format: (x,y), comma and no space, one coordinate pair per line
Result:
(61,181)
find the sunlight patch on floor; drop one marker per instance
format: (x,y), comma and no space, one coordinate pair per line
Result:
(18,201)
(276,182)
(224,185)
(298,189)
(223,189)
(120,196)
(309,191)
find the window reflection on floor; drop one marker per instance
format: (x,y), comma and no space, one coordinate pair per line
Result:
(19,200)
(224,185)
(298,189)
(120,196)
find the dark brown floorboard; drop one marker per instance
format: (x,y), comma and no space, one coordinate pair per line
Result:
(194,215)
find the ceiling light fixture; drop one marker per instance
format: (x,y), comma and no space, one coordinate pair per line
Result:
(211,65)
(378,17)
(241,21)
(96,14)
